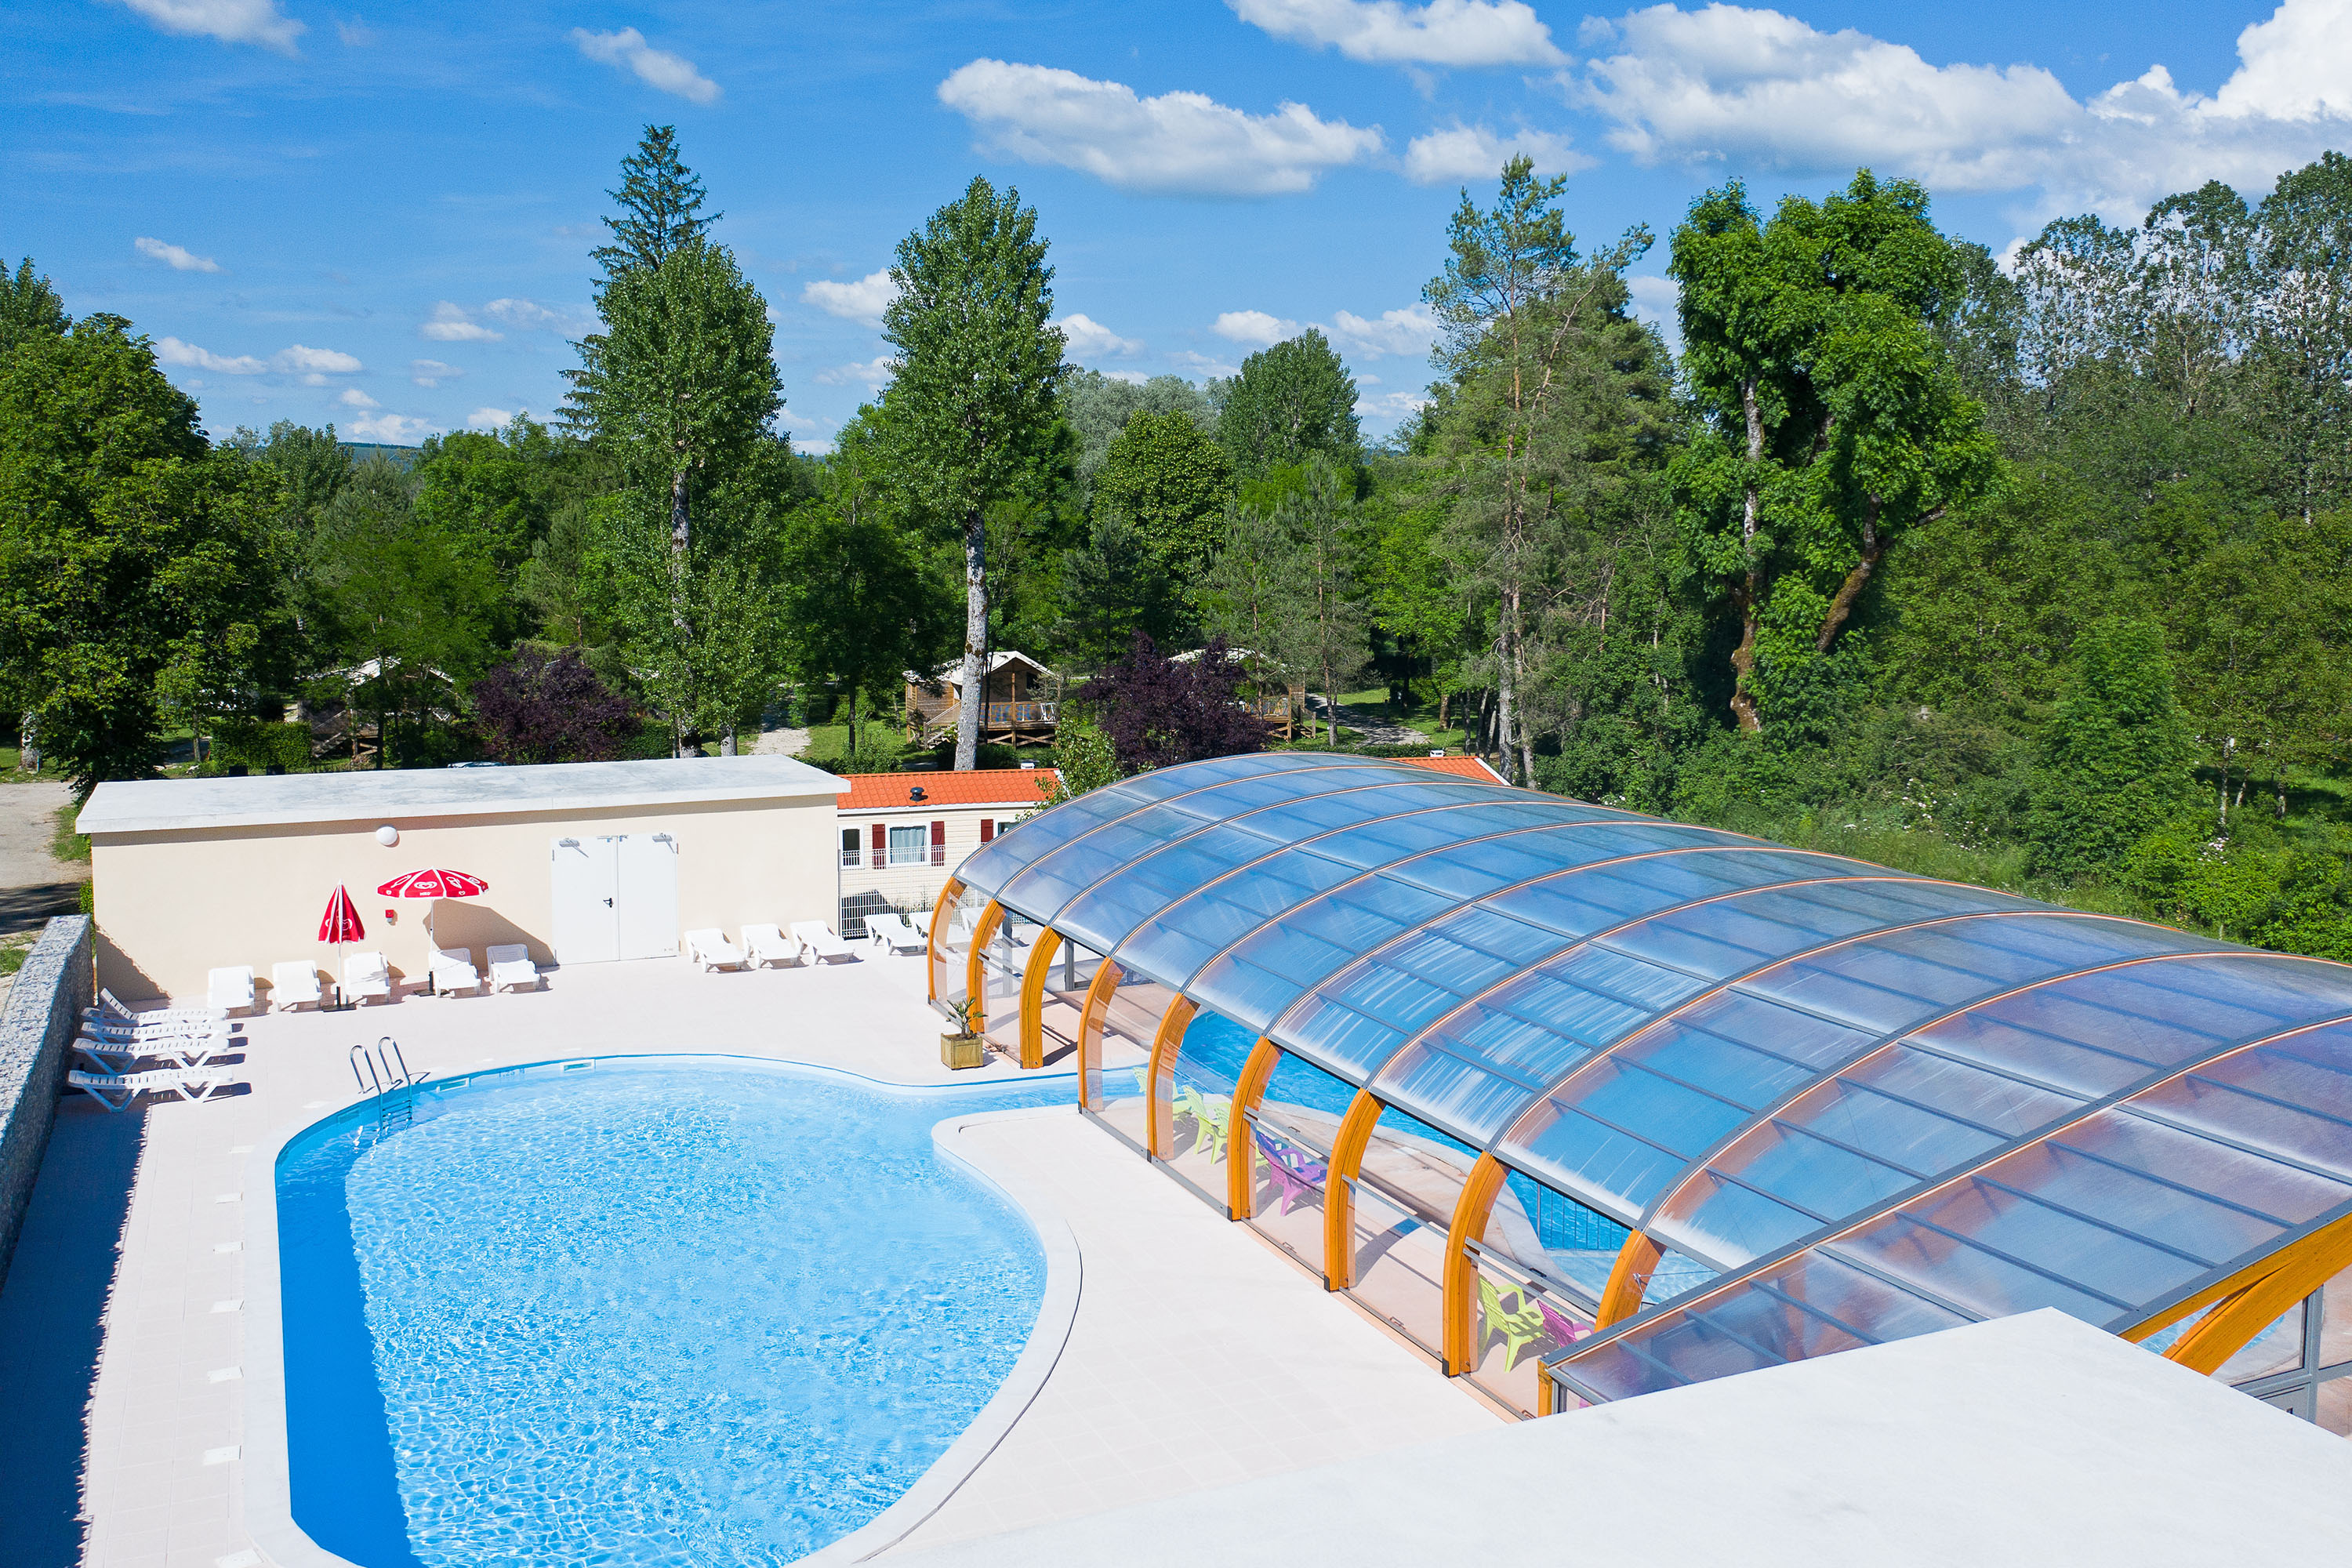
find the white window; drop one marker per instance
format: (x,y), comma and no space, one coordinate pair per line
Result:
(909,846)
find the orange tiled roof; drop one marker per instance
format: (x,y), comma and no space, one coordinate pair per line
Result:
(980,787)
(1467,767)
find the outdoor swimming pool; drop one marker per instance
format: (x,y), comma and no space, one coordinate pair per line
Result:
(651,1311)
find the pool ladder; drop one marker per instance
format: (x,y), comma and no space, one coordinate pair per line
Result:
(381,1070)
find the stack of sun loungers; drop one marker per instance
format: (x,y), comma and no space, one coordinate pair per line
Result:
(185,1043)
(807,942)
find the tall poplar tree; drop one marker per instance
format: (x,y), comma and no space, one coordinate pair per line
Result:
(972,401)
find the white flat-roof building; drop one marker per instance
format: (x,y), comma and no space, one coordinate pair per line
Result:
(585,861)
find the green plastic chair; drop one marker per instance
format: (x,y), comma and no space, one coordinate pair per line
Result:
(1209,1118)
(1520,1328)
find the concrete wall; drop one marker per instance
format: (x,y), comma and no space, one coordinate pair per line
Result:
(36,1028)
(173,905)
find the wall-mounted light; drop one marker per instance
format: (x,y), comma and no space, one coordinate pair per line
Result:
(387,835)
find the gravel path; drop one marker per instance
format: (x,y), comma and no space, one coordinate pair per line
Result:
(33,884)
(1374,731)
(780,742)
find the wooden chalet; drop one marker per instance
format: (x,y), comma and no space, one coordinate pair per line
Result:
(1022,703)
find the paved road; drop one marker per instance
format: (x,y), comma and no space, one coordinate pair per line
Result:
(33,884)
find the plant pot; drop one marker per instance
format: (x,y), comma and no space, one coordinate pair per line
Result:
(961,1051)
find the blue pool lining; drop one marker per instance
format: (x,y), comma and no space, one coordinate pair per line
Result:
(1056,1314)
(268,1484)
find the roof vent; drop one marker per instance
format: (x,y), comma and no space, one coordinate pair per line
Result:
(915,793)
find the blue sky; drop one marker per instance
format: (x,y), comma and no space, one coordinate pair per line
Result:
(381,216)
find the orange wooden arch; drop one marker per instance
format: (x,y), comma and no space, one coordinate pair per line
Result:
(948,895)
(1241,1152)
(2236,1318)
(1033,998)
(1629,1277)
(1161,1076)
(1347,1148)
(1090,1030)
(975,976)
(1458,1316)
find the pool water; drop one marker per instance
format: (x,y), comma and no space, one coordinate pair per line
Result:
(653,1312)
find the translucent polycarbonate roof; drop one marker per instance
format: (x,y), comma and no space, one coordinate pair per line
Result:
(1733,1046)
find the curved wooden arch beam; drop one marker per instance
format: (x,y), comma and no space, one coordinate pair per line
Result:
(1161,1075)
(975,975)
(1091,1014)
(1347,1148)
(1458,1316)
(1033,998)
(1629,1277)
(1240,1154)
(2300,1269)
(948,895)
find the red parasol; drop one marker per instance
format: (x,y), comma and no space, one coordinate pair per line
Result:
(433,883)
(340,924)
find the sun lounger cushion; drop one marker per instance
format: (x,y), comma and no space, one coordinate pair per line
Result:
(367,975)
(291,984)
(454,970)
(230,988)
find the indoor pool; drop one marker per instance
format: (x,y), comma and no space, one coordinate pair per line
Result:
(643,1311)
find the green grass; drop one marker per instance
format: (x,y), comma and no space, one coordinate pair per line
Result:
(65,843)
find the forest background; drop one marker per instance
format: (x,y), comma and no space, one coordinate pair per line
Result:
(2035,574)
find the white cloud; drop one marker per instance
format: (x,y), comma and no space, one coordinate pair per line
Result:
(1658,300)
(299,360)
(1203,365)
(522,313)
(172,351)
(1409,330)
(1474,153)
(432,372)
(489,419)
(874,374)
(449,324)
(230,21)
(1133,377)
(1179,141)
(176,257)
(1254,327)
(1443,33)
(864,301)
(1090,340)
(1389,405)
(354,398)
(391,429)
(655,68)
(355,34)
(1726,81)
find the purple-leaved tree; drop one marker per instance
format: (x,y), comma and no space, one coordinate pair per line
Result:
(1157,711)
(535,709)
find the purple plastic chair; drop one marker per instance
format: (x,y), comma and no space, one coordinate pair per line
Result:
(1296,1173)
(1563,1330)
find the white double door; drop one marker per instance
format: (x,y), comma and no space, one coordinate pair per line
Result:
(614,897)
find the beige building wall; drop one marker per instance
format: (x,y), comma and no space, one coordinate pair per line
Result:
(173,904)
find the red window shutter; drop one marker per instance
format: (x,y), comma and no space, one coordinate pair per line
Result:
(881,845)
(939,843)
(987,828)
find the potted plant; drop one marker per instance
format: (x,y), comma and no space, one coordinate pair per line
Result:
(963,1049)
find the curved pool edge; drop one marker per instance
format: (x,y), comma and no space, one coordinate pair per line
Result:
(267,1488)
(1056,1313)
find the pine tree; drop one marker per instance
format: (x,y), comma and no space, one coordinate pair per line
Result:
(662,207)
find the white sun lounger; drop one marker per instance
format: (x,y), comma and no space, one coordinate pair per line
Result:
(293,984)
(769,944)
(115,1056)
(230,989)
(193,1083)
(710,949)
(112,1009)
(893,934)
(818,938)
(511,966)
(367,975)
(452,972)
(131,1033)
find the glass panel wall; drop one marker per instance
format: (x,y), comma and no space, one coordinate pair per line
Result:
(952,948)
(1541,1266)
(1129,1025)
(1405,1195)
(2303,1362)
(1067,978)
(1002,963)
(1290,1151)
(1209,1063)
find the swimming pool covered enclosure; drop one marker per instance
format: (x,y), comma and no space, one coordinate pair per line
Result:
(1644,1103)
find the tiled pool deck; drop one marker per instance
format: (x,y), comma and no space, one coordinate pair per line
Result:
(1197,1355)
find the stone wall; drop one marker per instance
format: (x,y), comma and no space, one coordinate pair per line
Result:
(37,1029)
